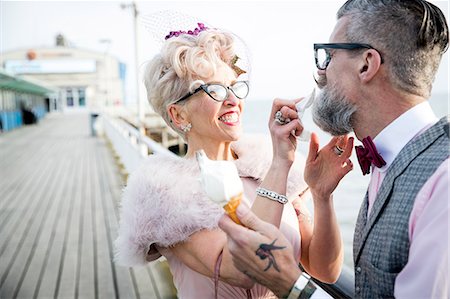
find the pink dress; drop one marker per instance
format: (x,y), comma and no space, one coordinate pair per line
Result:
(191,284)
(163,204)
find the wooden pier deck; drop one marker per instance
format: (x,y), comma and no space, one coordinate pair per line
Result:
(59,195)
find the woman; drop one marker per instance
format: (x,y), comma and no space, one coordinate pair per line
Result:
(196,86)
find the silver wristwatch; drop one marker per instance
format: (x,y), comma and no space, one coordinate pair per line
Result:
(303,288)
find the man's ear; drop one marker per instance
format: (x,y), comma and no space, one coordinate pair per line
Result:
(177,115)
(370,65)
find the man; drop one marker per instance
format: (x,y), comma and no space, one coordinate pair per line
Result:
(376,77)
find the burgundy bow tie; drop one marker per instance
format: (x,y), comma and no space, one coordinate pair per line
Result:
(367,154)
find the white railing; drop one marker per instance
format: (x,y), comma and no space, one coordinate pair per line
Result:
(129,144)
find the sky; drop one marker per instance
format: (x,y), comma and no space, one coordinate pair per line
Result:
(279,35)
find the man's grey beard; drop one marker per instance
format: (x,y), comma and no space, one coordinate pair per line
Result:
(333,112)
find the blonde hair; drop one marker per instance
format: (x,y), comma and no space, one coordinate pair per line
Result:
(182,62)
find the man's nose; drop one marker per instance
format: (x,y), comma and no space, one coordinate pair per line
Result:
(321,72)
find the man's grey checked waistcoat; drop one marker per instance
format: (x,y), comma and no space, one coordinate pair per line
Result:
(381,242)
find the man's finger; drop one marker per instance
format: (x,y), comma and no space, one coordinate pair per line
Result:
(333,142)
(236,232)
(229,226)
(253,222)
(348,148)
(313,147)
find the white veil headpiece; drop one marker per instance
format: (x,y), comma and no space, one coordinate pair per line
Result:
(169,23)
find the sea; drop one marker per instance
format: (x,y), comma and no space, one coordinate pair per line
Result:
(351,190)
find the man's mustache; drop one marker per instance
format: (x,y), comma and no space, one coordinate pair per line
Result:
(321,81)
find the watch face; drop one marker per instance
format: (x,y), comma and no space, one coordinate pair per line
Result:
(303,288)
(308,290)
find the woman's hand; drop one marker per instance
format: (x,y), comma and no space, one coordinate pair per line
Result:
(325,168)
(283,142)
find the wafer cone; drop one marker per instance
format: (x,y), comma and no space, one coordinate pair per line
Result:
(231,207)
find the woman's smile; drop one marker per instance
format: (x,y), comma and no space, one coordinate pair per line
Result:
(230,118)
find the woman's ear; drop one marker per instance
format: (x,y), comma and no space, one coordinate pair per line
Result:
(371,65)
(177,115)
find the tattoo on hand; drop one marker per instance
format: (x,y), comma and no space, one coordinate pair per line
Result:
(264,252)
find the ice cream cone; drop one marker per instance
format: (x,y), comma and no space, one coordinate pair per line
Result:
(231,207)
(221,182)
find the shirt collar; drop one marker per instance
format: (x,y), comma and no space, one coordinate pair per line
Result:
(391,140)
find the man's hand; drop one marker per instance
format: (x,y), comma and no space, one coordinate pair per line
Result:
(261,251)
(325,168)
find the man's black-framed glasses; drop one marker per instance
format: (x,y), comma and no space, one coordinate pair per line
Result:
(219,92)
(322,53)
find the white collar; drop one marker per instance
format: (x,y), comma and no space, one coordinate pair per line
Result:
(391,140)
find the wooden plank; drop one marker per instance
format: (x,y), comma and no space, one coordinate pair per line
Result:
(67,281)
(15,165)
(50,273)
(124,281)
(144,283)
(86,287)
(39,253)
(162,279)
(107,288)
(50,283)
(60,198)
(11,233)
(23,178)
(21,240)
(23,154)
(156,273)
(8,141)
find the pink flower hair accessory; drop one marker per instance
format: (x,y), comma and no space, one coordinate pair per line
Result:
(196,31)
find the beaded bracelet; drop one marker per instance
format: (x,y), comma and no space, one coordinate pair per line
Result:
(271,195)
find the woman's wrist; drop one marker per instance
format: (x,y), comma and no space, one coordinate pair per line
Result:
(276,178)
(280,165)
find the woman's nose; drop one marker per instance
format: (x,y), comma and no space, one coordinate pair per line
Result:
(232,100)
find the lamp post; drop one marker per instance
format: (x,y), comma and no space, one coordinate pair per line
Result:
(140,104)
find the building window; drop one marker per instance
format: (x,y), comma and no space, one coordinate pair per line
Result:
(82,97)
(69,97)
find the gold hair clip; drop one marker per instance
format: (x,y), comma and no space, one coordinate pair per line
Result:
(235,68)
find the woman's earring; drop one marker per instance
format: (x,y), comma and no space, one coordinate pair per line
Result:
(186,128)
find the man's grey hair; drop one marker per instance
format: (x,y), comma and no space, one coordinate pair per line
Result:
(410,35)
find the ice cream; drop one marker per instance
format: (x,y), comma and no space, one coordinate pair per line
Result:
(301,107)
(221,182)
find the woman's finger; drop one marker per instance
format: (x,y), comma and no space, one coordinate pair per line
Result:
(278,104)
(294,126)
(286,129)
(287,112)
